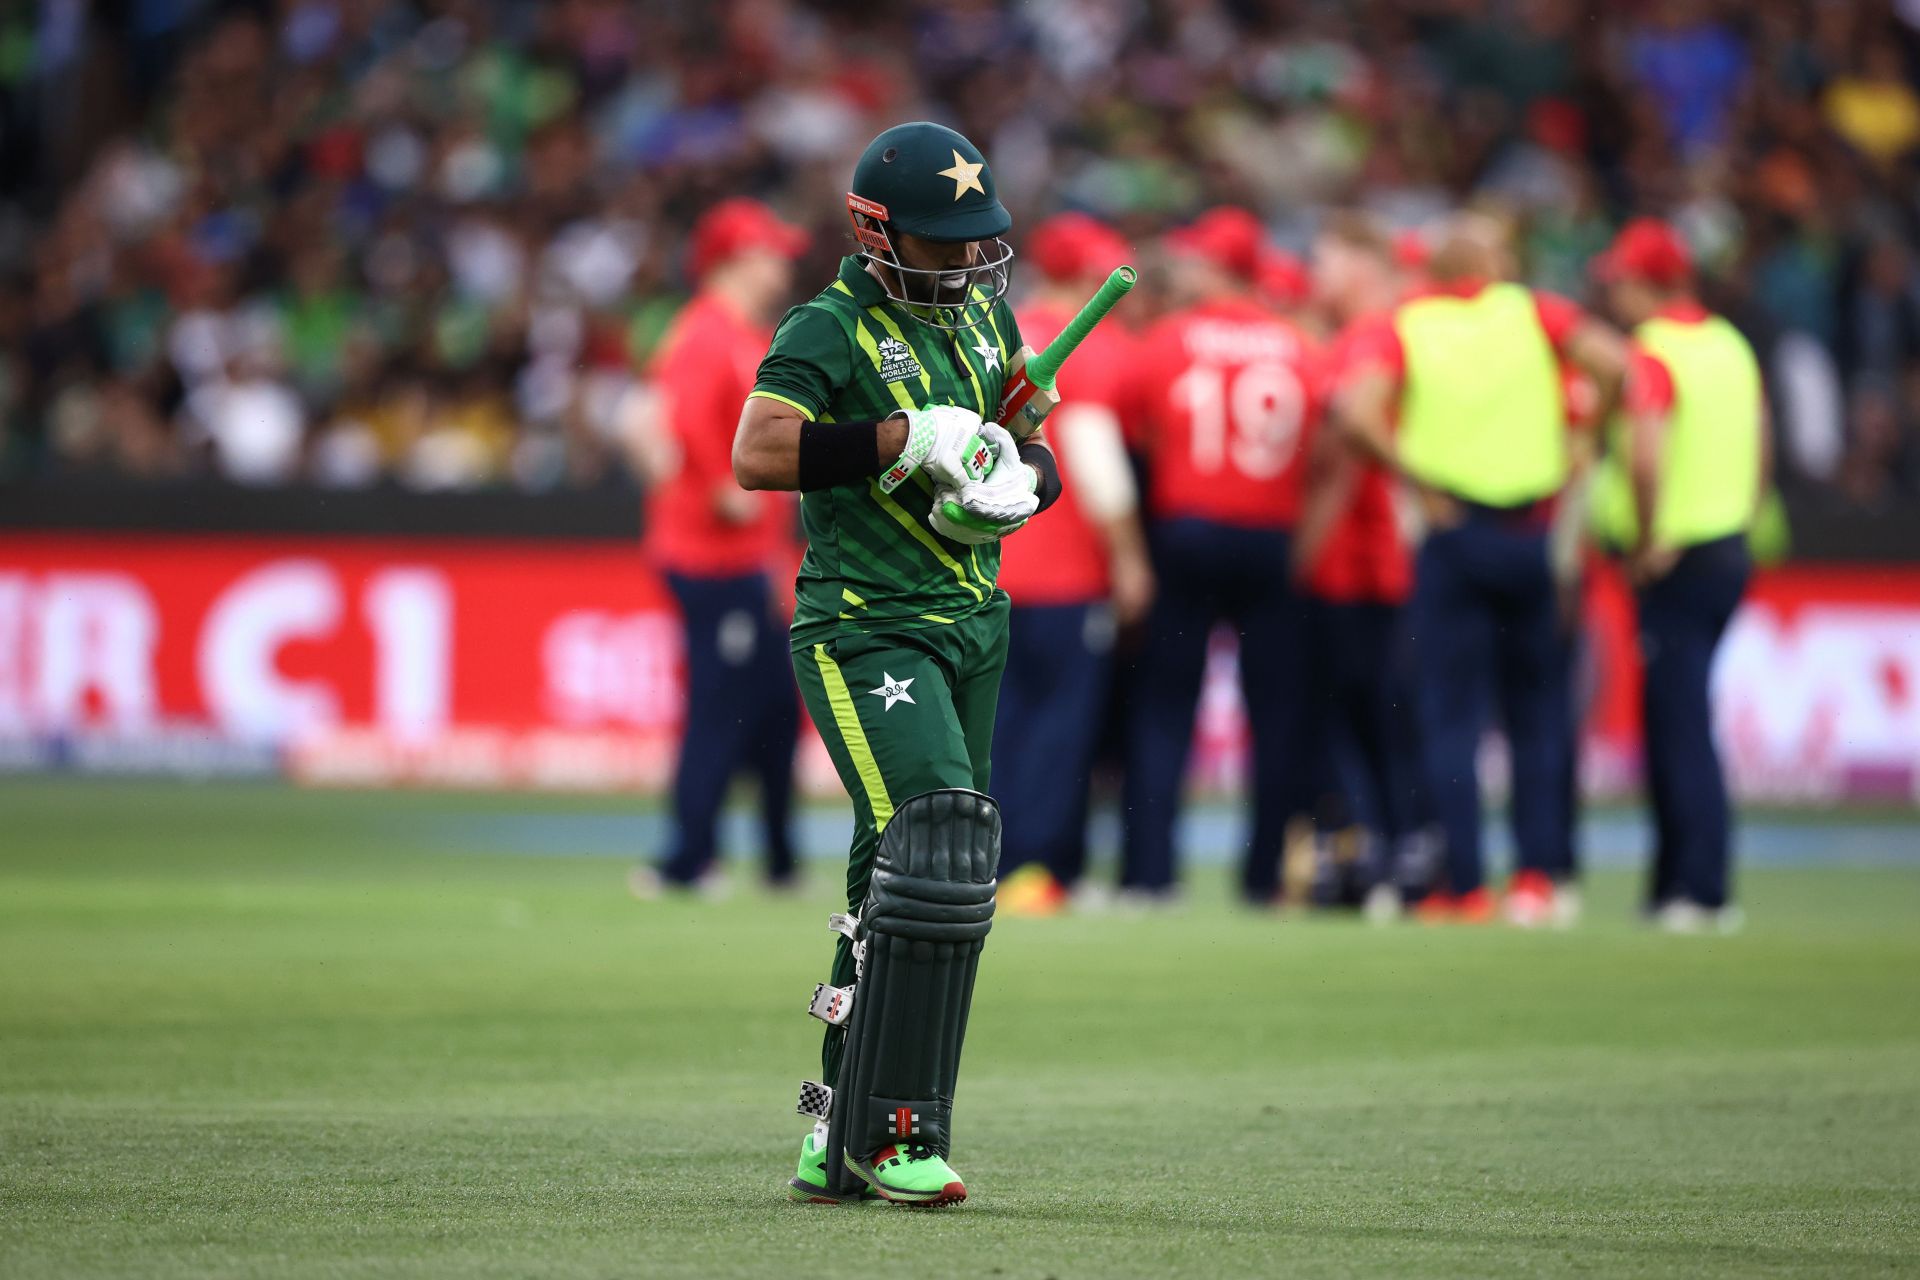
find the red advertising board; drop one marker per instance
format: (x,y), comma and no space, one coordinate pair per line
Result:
(558,663)
(479,661)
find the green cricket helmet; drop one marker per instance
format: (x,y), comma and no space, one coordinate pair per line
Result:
(923,179)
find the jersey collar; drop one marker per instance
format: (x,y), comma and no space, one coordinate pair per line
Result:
(1684,311)
(860,282)
(1464,287)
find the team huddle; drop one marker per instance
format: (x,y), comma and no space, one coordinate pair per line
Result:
(963,583)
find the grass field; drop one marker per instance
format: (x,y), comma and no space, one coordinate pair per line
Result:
(252,1031)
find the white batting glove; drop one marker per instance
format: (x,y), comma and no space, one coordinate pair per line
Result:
(940,440)
(1006,452)
(986,510)
(1006,494)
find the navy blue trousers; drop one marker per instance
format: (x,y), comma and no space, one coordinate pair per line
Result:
(1209,573)
(743,715)
(1053,699)
(1363,678)
(1682,617)
(1485,618)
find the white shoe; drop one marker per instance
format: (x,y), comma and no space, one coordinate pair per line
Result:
(1092,898)
(1567,906)
(647,884)
(1143,902)
(1383,905)
(1682,916)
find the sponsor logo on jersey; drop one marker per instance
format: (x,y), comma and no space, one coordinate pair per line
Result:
(896,361)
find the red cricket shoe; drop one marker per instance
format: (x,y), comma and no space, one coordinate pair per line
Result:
(1476,906)
(1530,899)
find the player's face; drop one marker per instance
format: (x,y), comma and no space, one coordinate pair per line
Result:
(1631,301)
(1347,278)
(952,261)
(771,272)
(1193,279)
(1333,271)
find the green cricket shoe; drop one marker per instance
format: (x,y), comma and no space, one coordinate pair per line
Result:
(809,1182)
(913,1175)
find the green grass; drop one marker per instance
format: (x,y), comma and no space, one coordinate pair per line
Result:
(252,1031)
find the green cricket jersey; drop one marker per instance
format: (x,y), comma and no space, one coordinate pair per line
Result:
(850,355)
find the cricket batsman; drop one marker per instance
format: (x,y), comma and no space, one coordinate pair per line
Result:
(877,402)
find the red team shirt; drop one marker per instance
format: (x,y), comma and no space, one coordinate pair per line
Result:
(1365,558)
(1060,558)
(1221,396)
(704,369)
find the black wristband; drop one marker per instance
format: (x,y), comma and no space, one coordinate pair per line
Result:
(837,453)
(1040,458)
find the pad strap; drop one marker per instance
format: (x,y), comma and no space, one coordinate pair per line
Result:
(832,1005)
(816,1100)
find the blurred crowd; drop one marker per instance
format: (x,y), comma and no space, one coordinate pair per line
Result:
(349,242)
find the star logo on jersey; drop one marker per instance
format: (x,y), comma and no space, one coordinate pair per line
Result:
(965,175)
(893,691)
(989,356)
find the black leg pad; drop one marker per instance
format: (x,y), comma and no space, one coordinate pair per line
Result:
(926,917)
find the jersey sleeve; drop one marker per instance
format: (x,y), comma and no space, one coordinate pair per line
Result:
(1133,389)
(809,363)
(1098,371)
(1370,346)
(701,393)
(1559,317)
(1649,387)
(1009,326)
(1317,368)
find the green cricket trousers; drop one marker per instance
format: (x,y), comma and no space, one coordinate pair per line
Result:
(902,712)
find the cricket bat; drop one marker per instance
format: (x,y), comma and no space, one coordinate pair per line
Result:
(1029,395)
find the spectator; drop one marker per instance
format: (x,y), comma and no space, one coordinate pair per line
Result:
(424,189)
(250,421)
(1875,108)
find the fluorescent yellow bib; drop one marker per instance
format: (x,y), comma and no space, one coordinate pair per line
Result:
(1710,457)
(1482,417)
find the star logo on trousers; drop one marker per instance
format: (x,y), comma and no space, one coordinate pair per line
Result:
(893,691)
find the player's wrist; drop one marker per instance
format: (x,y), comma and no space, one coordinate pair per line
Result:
(890,440)
(1045,470)
(837,453)
(942,441)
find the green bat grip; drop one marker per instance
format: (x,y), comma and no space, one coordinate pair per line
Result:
(1045,367)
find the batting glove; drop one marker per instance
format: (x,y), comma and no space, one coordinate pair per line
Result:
(942,439)
(989,509)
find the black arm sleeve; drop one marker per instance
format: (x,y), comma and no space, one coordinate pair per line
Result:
(1040,458)
(837,453)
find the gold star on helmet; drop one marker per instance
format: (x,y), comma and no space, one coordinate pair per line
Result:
(966,177)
